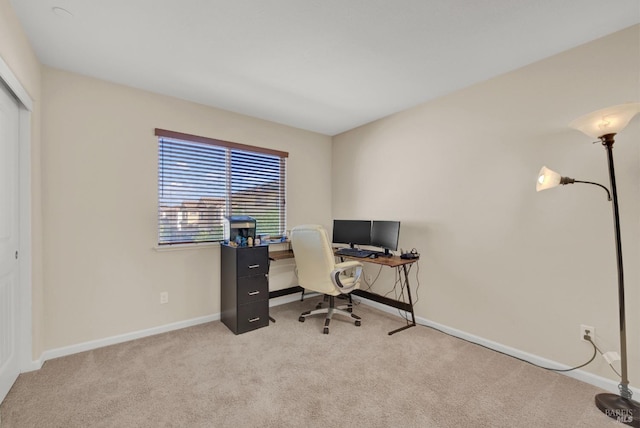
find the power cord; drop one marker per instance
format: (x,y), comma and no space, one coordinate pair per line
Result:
(593,357)
(587,338)
(374,280)
(417,281)
(400,296)
(395,285)
(595,349)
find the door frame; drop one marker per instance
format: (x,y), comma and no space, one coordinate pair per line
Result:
(25,342)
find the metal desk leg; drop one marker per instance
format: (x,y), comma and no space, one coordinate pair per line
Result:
(413,316)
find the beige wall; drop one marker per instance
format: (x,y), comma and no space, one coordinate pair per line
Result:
(16,52)
(103,276)
(500,261)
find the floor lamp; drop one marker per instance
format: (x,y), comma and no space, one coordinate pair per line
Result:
(605,124)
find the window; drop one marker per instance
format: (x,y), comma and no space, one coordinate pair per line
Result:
(202,180)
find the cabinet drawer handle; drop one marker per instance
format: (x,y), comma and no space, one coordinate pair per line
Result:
(254,319)
(253,293)
(253,266)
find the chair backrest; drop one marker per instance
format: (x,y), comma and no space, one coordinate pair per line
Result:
(314,258)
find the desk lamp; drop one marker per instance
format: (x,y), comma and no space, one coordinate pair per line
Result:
(605,124)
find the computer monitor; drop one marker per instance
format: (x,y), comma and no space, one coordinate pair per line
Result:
(384,234)
(352,232)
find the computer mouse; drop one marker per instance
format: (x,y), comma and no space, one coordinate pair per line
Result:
(373,256)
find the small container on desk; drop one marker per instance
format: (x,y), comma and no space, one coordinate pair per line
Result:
(239,229)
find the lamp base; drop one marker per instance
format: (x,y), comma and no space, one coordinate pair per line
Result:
(618,408)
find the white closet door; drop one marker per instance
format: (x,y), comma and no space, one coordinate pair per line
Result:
(9,240)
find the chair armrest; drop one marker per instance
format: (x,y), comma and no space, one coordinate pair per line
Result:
(351,282)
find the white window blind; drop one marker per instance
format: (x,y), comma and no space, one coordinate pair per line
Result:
(202,180)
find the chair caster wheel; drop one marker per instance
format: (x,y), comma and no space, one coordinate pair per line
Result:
(325,331)
(358,323)
(301,319)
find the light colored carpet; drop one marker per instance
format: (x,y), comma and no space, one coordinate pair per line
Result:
(291,375)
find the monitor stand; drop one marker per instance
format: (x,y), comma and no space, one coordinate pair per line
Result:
(386,253)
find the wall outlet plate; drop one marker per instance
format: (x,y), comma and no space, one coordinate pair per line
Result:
(164,297)
(587,329)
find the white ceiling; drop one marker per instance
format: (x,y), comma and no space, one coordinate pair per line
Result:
(326,66)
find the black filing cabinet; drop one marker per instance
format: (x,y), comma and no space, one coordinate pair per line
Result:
(244,287)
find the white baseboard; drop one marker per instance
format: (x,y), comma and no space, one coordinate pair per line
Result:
(599,381)
(581,375)
(99,343)
(33,365)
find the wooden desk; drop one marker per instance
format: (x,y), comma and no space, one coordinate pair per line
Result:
(283,255)
(402,266)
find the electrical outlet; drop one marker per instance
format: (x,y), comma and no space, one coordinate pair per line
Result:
(164,297)
(587,330)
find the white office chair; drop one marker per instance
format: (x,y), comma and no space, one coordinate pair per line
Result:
(318,271)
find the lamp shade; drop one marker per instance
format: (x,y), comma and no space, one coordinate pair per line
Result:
(547,179)
(610,120)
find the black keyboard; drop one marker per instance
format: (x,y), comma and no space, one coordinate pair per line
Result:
(354,252)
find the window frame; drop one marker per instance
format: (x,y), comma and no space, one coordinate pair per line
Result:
(229,147)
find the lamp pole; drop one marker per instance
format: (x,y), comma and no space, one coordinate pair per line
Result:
(607,142)
(621,407)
